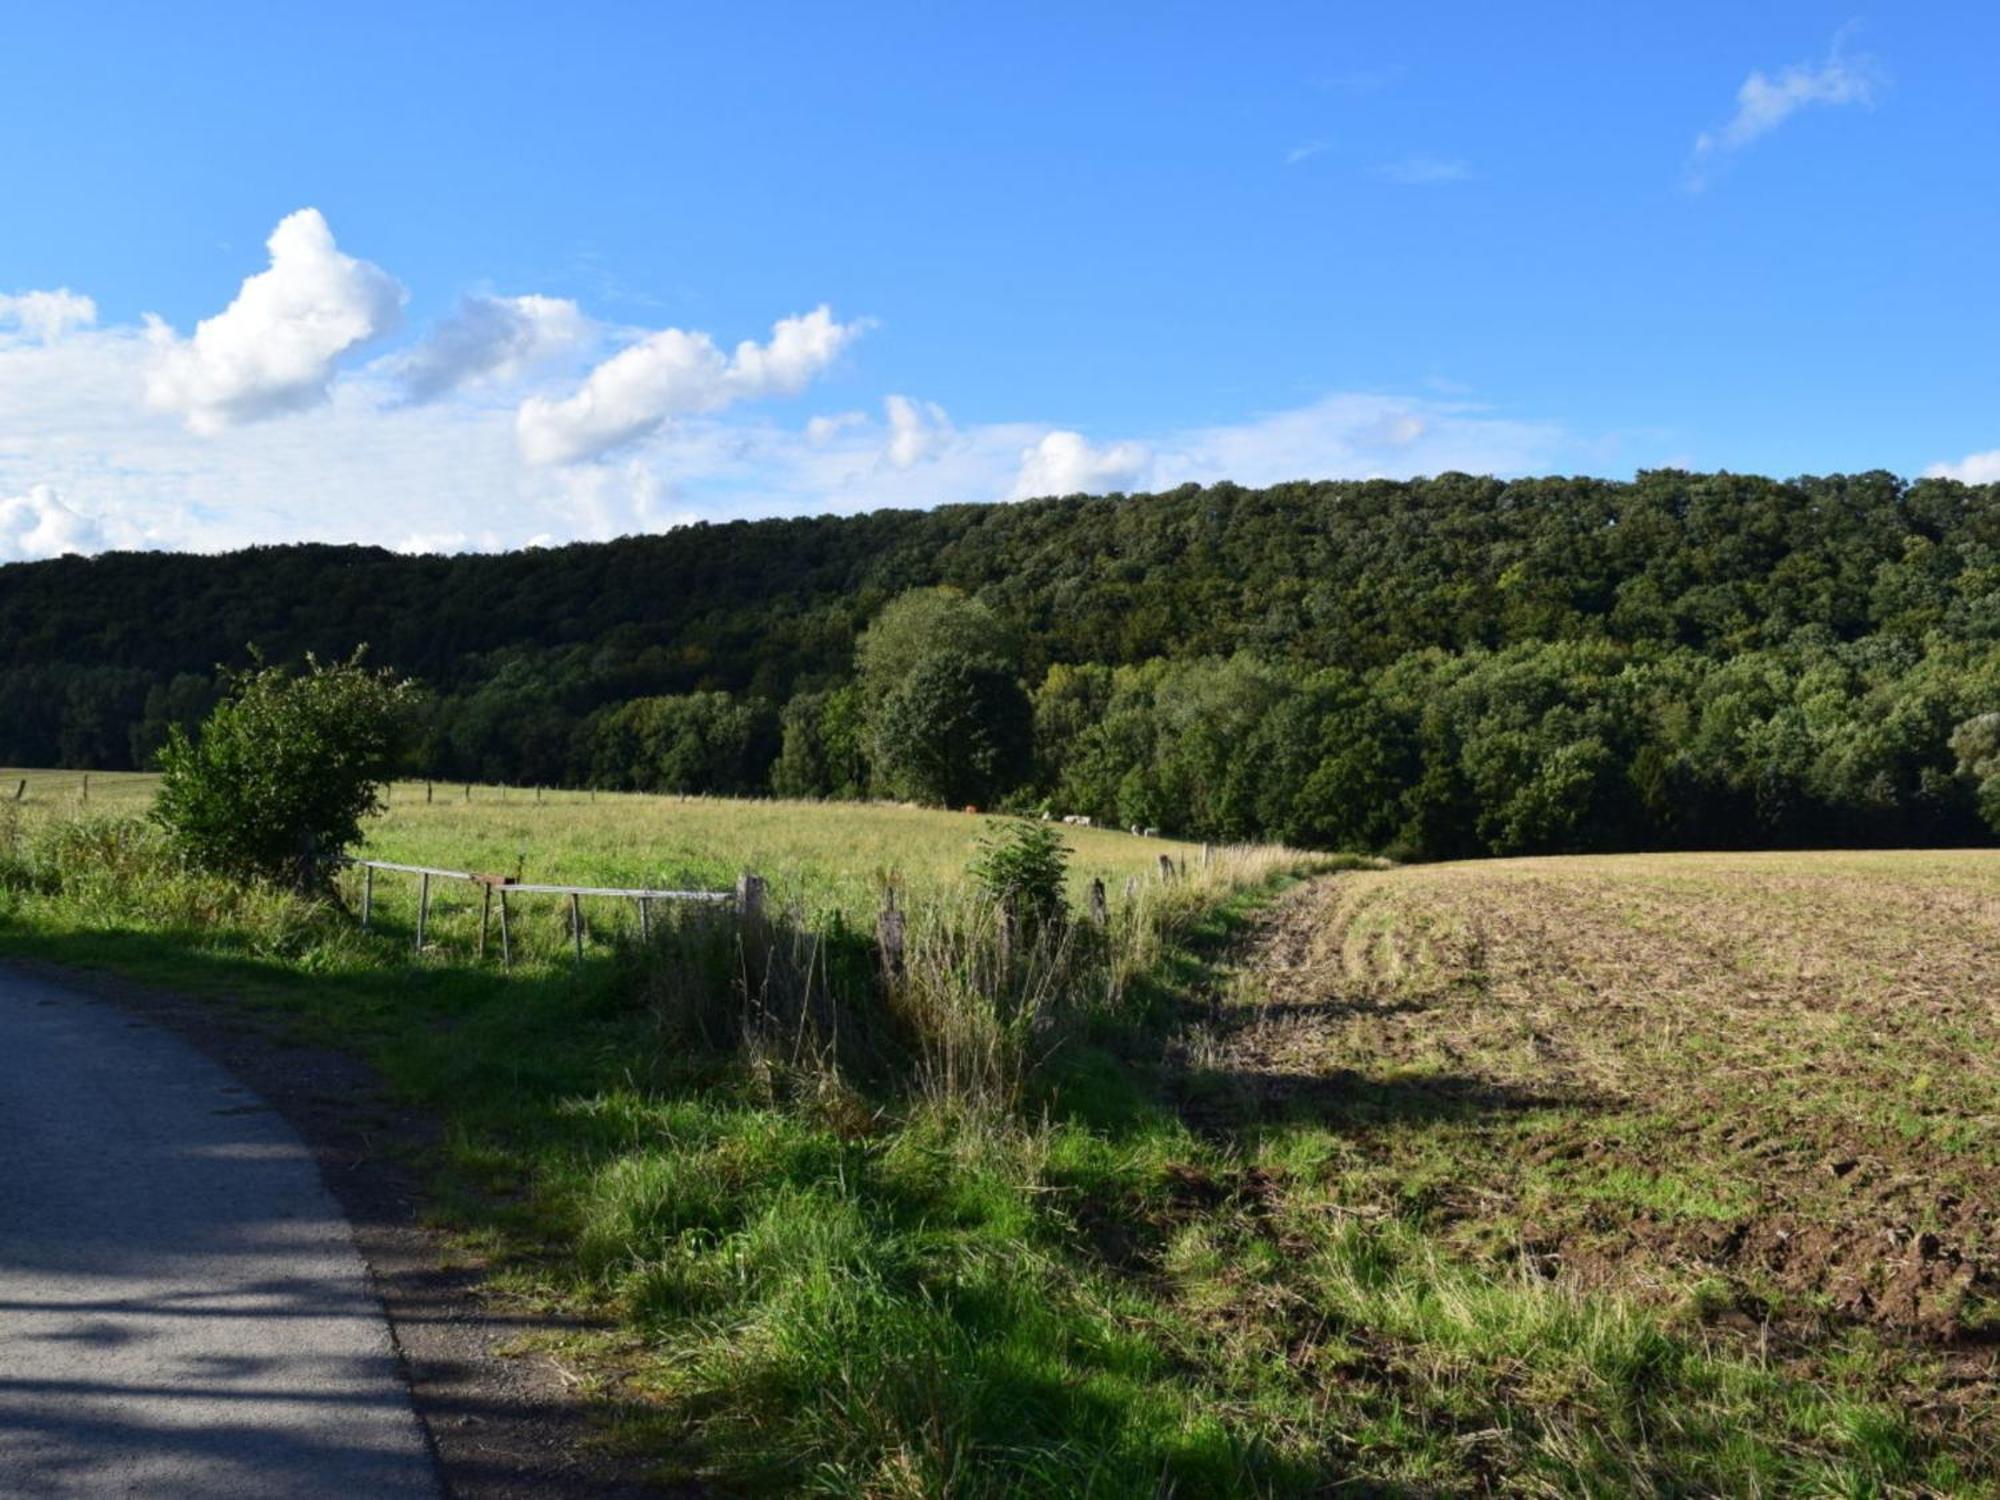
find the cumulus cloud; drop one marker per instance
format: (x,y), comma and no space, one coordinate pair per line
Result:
(675,373)
(274,348)
(1974,468)
(38,525)
(799,349)
(47,316)
(490,338)
(1065,463)
(1766,101)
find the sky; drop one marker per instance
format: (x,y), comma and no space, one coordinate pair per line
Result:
(447,277)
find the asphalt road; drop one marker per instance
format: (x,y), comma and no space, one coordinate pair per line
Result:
(182,1311)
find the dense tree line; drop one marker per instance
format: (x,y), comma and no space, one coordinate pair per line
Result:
(1444,666)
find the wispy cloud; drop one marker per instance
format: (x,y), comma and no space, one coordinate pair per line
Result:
(1765,101)
(1305,152)
(1361,80)
(1424,171)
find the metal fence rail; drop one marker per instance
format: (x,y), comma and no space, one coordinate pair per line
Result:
(748,898)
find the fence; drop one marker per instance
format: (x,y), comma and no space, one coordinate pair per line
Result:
(748,899)
(21,787)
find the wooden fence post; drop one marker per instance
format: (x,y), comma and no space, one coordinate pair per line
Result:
(1100,910)
(1204,856)
(485,913)
(750,921)
(506,944)
(1166,867)
(468,791)
(1010,938)
(428,789)
(86,786)
(21,790)
(576,923)
(750,901)
(367,895)
(645,920)
(889,939)
(423,908)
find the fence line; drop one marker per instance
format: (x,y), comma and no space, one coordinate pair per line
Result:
(748,898)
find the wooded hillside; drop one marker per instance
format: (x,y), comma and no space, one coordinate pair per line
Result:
(1444,666)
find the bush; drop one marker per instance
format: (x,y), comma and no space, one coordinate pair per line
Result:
(1024,865)
(277,781)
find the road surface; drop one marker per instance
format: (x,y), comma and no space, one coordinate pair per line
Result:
(182,1311)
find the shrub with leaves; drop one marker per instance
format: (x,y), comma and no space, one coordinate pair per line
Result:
(278,778)
(1023,864)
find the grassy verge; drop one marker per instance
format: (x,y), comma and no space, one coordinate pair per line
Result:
(954,1239)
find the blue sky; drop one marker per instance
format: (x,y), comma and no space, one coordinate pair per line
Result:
(976,252)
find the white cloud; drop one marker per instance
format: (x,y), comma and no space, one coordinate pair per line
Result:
(368,466)
(1764,102)
(601,501)
(800,348)
(1305,151)
(1360,436)
(675,373)
(648,440)
(824,429)
(1974,468)
(1065,463)
(38,525)
(359,467)
(492,339)
(47,316)
(1424,171)
(917,429)
(274,348)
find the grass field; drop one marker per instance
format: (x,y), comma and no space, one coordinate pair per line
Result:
(1651,1175)
(819,857)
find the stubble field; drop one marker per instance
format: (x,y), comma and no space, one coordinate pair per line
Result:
(1758,1094)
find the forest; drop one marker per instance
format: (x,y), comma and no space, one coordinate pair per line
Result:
(1431,668)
